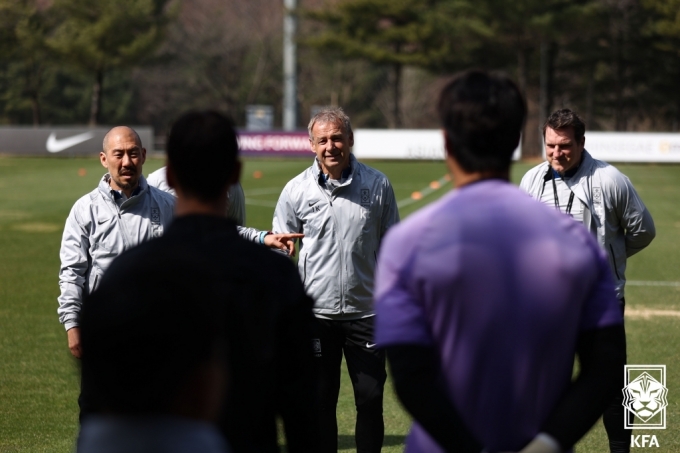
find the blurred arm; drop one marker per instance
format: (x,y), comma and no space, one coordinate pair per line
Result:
(415,372)
(602,355)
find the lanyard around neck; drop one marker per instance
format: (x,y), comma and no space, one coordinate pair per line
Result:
(557,200)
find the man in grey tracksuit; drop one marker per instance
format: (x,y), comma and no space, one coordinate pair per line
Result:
(120,213)
(344,208)
(236,210)
(604,200)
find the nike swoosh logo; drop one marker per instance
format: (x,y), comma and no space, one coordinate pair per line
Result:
(369,345)
(312,203)
(55,145)
(99,222)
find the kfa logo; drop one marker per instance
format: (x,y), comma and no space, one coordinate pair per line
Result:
(156,228)
(644,397)
(597,195)
(365,198)
(644,440)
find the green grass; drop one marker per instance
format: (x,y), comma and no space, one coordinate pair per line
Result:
(38,378)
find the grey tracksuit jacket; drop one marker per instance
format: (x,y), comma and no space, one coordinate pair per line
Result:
(342,231)
(236,210)
(97,231)
(613,211)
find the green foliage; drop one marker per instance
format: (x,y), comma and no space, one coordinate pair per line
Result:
(664,22)
(23,29)
(144,61)
(91,37)
(435,34)
(408,32)
(96,37)
(107,33)
(667,22)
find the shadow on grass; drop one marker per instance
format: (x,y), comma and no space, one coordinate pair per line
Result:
(346,441)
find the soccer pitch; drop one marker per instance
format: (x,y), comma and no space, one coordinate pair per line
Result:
(38,378)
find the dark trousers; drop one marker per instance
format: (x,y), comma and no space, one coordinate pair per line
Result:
(366,366)
(85,400)
(613,418)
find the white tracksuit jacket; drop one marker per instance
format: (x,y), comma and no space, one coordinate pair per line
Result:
(342,235)
(97,231)
(613,212)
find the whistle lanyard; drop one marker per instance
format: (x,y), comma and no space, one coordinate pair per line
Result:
(557,200)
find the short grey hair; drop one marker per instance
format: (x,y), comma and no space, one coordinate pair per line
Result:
(332,115)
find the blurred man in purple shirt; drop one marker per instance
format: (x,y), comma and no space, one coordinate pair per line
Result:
(485,297)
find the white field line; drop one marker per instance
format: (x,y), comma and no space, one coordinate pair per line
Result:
(420,194)
(643,283)
(262,191)
(646,313)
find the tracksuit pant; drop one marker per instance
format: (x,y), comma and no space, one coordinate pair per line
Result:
(366,366)
(613,418)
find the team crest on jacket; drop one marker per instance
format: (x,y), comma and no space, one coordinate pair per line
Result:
(365,198)
(155,215)
(597,195)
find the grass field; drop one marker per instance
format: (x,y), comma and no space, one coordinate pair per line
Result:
(38,378)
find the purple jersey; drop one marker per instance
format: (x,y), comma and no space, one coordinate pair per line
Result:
(501,286)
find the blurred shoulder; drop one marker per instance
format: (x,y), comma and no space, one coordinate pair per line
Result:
(416,224)
(532,174)
(162,197)
(372,173)
(608,173)
(302,178)
(156,177)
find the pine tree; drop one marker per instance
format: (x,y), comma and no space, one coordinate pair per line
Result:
(434,34)
(99,36)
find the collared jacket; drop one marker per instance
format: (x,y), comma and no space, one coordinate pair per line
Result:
(613,211)
(236,210)
(97,231)
(342,230)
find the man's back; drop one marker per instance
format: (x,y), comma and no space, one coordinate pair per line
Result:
(269,355)
(492,274)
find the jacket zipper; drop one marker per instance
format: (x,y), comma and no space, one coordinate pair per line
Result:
(121,225)
(304,270)
(342,250)
(618,277)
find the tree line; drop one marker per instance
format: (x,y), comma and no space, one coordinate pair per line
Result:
(144,61)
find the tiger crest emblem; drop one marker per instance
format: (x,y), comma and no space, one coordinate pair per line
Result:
(645,397)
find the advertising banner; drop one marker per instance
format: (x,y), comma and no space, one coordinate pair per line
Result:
(368,144)
(633,146)
(403,144)
(271,143)
(61,141)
